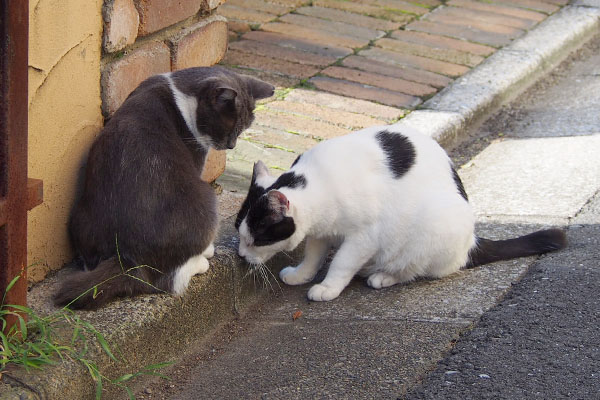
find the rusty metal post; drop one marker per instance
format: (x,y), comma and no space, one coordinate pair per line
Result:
(14,35)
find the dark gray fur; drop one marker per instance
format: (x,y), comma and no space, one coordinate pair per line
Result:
(142,191)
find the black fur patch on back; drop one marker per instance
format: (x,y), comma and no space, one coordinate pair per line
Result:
(289,179)
(399,151)
(459,184)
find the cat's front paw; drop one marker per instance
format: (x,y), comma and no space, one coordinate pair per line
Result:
(294,276)
(200,266)
(209,252)
(321,292)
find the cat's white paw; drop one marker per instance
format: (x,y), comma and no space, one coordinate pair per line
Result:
(380,280)
(294,276)
(200,266)
(321,292)
(209,252)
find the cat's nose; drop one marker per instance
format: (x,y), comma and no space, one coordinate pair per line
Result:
(231,143)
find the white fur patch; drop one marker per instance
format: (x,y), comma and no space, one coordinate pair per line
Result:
(194,266)
(188,106)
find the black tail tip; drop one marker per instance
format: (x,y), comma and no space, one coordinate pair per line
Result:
(551,239)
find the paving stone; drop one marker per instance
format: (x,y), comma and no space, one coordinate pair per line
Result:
(475,24)
(499,9)
(430,3)
(349,18)
(345,119)
(302,126)
(345,104)
(321,37)
(262,6)
(460,32)
(340,28)
(200,45)
(365,9)
(276,79)
(529,4)
(442,42)
(449,55)
(365,92)
(303,44)
(398,71)
(121,76)
(486,17)
(121,22)
(229,202)
(291,3)
(403,6)
(279,52)
(558,2)
(279,139)
(238,26)
(269,64)
(245,14)
(158,14)
(440,67)
(382,81)
(241,160)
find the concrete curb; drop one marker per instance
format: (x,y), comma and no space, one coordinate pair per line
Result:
(153,329)
(505,74)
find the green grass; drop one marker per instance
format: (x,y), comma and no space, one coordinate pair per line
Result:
(35,342)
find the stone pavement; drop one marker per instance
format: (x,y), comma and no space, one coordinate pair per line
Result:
(344,65)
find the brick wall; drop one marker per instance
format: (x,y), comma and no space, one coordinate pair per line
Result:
(147,37)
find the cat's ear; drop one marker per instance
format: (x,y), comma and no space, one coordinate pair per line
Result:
(224,95)
(259,89)
(278,202)
(259,170)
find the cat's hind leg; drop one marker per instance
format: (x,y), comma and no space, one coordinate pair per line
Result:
(315,252)
(349,259)
(380,280)
(193,266)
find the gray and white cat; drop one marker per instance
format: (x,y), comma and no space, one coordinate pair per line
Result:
(144,208)
(391,200)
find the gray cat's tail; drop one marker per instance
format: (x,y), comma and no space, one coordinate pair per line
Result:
(540,242)
(93,289)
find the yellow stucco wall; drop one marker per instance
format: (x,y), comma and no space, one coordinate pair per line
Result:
(64,117)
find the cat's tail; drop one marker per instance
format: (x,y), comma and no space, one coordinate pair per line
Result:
(540,242)
(109,280)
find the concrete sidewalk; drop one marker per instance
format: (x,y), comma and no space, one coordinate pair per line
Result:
(326,97)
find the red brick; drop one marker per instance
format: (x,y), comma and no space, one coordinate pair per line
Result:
(276,79)
(449,55)
(442,42)
(336,27)
(201,45)
(349,18)
(158,14)
(382,81)
(464,21)
(244,14)
(120,77)
(282,53)
(320,37)
(301,44)
(530,5)
(359,91)
(214,166)
(440,67)
(291,3)
(238,26)
(268,64)
(499,9)
(486,17)
(121,23)
(398,71)
(557,2)
(262,6)
(460,32)
(365,9)
(430,3)
(303,126)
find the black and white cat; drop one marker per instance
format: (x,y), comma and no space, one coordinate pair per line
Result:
(144,209)
(391,200)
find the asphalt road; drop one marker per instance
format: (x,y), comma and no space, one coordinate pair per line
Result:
(543,339)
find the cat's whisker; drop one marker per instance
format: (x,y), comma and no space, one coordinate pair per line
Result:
(274,277)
